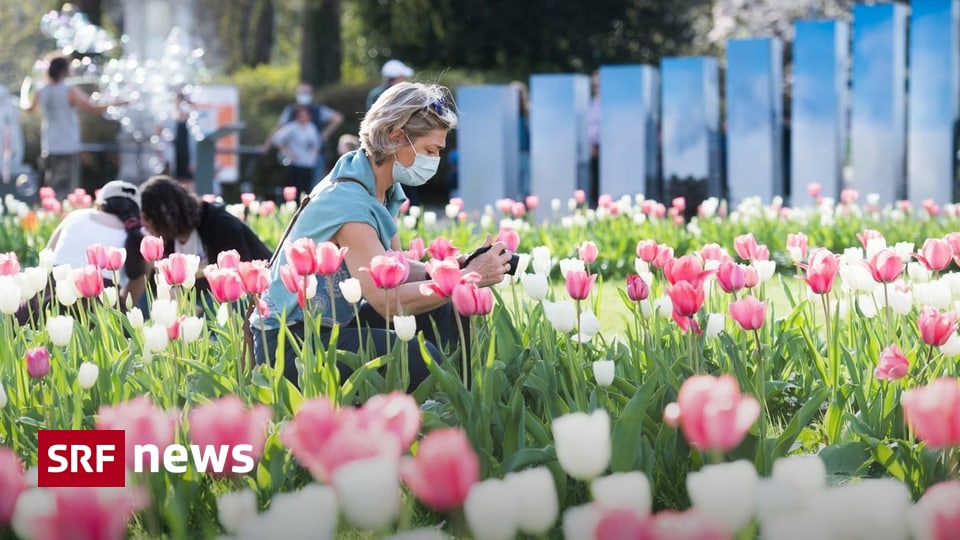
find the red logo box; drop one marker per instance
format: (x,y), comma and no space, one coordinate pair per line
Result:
(81,458)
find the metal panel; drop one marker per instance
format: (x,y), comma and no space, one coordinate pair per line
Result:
(488,144)
(559,153)
(754,107)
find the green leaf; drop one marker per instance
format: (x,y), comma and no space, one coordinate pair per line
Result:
(799,421)
(627,432)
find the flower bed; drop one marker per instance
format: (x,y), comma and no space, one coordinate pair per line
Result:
(703,413)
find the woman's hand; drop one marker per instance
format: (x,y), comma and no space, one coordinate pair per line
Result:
(491,265)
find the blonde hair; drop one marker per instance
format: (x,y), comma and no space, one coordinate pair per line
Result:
(415,108)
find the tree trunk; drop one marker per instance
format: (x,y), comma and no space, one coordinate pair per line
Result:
(93,9)
(320,51)
(262,31)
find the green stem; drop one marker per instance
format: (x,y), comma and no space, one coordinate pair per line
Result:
(463,348)
(762,391)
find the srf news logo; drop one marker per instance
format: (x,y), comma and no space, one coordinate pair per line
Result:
(97,458)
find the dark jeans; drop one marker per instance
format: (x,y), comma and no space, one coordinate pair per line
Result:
(301,178)
(371,329)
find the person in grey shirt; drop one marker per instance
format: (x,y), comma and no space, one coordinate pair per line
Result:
(60,128)
(299,142)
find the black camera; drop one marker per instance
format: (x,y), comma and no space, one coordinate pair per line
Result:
(514,259)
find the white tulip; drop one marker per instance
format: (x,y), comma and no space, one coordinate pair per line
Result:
(405,326)
(663,306)
(542,260)
(164,312)
(646,309)
(604,372)
(710,490)
(223,315)
(523,262)
(918,272)
(155,337)
(350,288)
(308,514)
(935,294)
(904,250)
(423,533)
(775,498)
(583,443)
(801,525)
(451,210)
(36,278)
(409,222)
(368,491)
(807,474)
(429,218)
(875,245)
(60,329)
(3,396)
(61,272)
(867,306)
(857,278)
(535,496)
(765,269)
(491,510)
(580,522)
(66,292)
(414,211)
(109,296)
(535,285)
(10,295)
(571,265)
(193,266)
(31,506)
(190,329)
(311,287)
(555,204)
(163,291)
(562,315)
(626,490)
(715,323)
(26,291)
(135,316)
(589,326)
(87,375)
(951,348)
(486,221)
(46,259)
(869,509)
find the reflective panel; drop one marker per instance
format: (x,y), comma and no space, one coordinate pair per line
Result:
(818,112)
(628,155)
(690,114)
(933,100)
(488,146)
(754,101)
(559,153)
(878,109)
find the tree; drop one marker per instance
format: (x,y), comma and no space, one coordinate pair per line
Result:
(246,32)
(320,48)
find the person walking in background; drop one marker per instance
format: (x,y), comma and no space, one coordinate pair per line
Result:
(324,118)
(299,142)
(60,127)
(393,72)
(182,160)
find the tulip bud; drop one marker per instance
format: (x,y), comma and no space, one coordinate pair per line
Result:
(405,326)
(3,396)
(350,288)
(536,499)
(535,285)
(87,375)
(60,329)
(491,511)
(625,490)
(368,491)
(190,329)
(38,362)
(604,372)
(583,443)
(135,316)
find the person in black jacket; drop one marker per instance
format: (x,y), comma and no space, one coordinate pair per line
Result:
(192,226)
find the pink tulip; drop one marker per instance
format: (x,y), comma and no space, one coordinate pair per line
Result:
(868,235)
(688,525)
(115,257)
(605,200)
(227,421)
(389,270)
(893,365)
(517,210)
(87,513)
(151,247)
(623,524)
(143,423)
(686,268)
(935,254)
(748,312)
(509,237)
(936,327)
(97,255)
(228,259)
(664,254)
(886,266)
(9,264)
(687,300)
(89,281)
(47,192)
(295,283)
(821,270)
(637,288)
(302,256)
(937,512)
(579,284)
(933,412)
(173,331)
(814,190)
(443,470)
(417,250)
(470,300)
(446,275)
(746,246)
(12,483)
(175,268)
(329,258)
(731,276)
(798,243)
(580,196)
(457,201)
(225,283)
(267,208)
(714,252)
(396,413)
(441,248)
(247,198)
(532,202)
(38,362)
(588,252)
(255,276)
(752,276)
(504,205)
(647,250)
(290,193)
(712,413)
(849,196)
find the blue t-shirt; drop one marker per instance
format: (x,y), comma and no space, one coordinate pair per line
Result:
(335,201)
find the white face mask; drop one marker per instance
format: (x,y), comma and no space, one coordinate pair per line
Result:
(304,99)
(422,170)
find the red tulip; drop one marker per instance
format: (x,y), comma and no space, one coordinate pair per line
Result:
(749,312)
(637,288)
(588,252)
(885,266)
(255,276)
(933,412)
(151,247)
(712,413)
(228,421)
(579,284)
(935,254)
(443,470)
(225,283)
(89,281)
(142,422)
(228,259)
(893,364)
(389,270)
(302,256)
(329,258)
(936,327)
(12,483)
(647,250)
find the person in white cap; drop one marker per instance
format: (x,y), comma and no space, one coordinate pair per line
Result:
(113,222)
(393,72)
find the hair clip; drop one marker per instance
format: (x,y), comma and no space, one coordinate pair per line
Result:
(439,105)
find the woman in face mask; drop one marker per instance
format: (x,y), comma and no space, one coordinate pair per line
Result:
(356,208)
